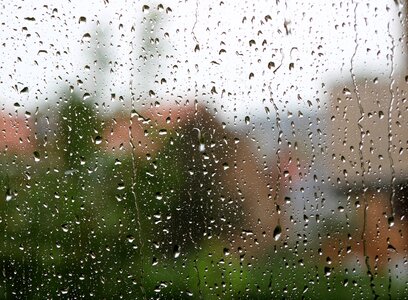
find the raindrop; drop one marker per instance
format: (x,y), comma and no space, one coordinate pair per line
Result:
(36,156)
(201,148)
(145,8)
(346,92)
(277,232)
(226,252)
(65,227)
(9,195)
(391,221)
(86,37)
(98,140)
(176,251)
(86,96)
(24,90)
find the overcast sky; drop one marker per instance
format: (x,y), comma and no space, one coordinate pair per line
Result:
(293,50)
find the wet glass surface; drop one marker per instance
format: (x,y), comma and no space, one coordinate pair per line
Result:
(204,150)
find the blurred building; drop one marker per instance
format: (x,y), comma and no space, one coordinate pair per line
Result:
(368,136)
(367,160)
(16,134)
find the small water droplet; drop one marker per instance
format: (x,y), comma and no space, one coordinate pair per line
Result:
(86,96)
(201,148)
(70,172)
(277,232)
(226,252)
(36,156)
(65,227)
(346,92)
(345,282)
(145,8)
(155,261)
(130,238)
(86,37)
(176,251)
(24,90)
(64,291)
(391,221)
(98,140)
(9,195)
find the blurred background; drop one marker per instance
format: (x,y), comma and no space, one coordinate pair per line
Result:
(204,150)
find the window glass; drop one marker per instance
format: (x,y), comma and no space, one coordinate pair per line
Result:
(203,149)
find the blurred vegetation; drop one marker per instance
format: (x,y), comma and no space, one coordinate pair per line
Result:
(74,228)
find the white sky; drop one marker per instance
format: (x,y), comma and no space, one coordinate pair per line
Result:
(320,45)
